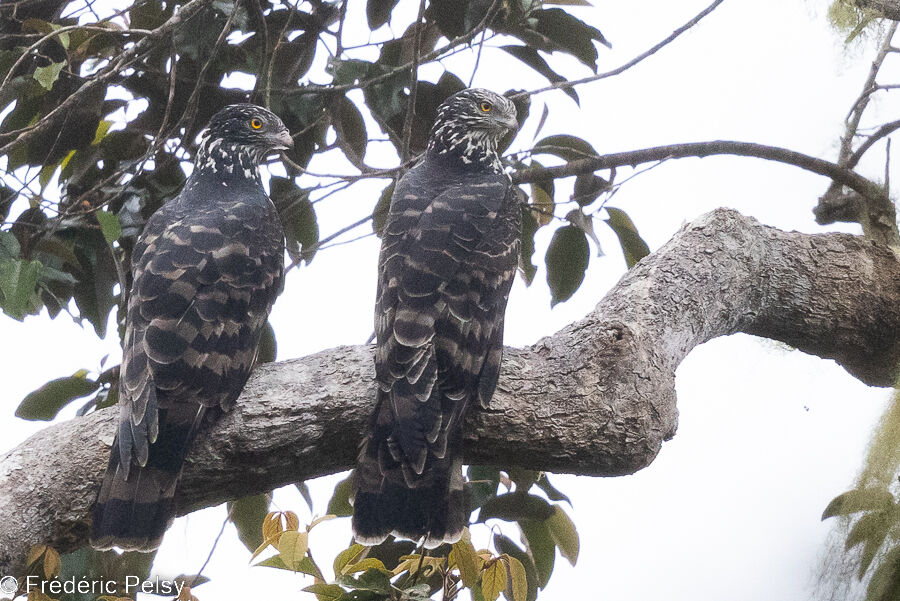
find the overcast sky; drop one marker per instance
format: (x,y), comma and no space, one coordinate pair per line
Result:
(767,435)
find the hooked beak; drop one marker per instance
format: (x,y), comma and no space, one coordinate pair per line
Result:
(509,123)
(282,140)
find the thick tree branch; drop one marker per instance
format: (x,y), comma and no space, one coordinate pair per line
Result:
(889,8)
(596,398)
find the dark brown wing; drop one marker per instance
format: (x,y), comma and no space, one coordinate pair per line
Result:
(205,279)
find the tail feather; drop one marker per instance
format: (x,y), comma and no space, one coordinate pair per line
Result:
(435,508)
(135,507)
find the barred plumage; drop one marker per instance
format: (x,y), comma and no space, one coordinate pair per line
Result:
(448,258)
(207,269)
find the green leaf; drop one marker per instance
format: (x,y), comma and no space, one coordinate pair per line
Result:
(518,580)
(543,204)
(292,546)
(508,547)
(530,57)
(372,579)
(565,147)
(350,129)
(467,562)
(391,550)
(247,515)
(885,582)
(861,499)
(588,187)
(585,223)
(47,76)
(346,557)
(102,129)
(303,488)
(633,246)
(564,534)
(267,349)
(516,506)
(417,592)
(9,246)
(293,59)
(482,482)
(543,482)
(526,250)
(109,225)
(18,279)
(541,548)
(301,228)
(493,580)
(871,529)
(378,12)
(379,215)
(567,260)
(275,562)
(870,526)
(523,478)
(325,592)
(46,175)
(369,563)
(96,279)
(339,504)
(570,34)
(45,403)
(349,71)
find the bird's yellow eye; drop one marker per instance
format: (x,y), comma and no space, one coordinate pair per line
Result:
(486,107)
(255,123)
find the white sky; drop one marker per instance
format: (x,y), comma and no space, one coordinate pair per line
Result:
(767,436)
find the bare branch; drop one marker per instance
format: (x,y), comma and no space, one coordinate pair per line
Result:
(413,85)
(700,150)
(596,398)
(875,212)
(648,53)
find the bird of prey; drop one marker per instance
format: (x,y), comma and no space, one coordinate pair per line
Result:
(207,269)
(448,258)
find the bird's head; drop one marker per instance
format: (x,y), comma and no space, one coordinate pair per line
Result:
(241,135)
(470,125)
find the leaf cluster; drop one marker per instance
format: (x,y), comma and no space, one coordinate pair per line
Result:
(396,569)
(875,529)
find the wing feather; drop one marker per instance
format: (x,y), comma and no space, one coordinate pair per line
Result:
(445,271)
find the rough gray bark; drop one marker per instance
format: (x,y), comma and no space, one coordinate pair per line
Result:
(888,8)
(596,398)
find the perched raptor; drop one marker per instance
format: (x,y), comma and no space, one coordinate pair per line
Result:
(448,257)
(207,269)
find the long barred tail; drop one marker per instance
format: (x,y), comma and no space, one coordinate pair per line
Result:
(135,507)
(432,506)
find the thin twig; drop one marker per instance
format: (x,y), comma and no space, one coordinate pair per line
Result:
(859,106)
(885,130)
(413,85)
(339,48)
(129,56)
(58,32)
(213,549)
(675,34)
